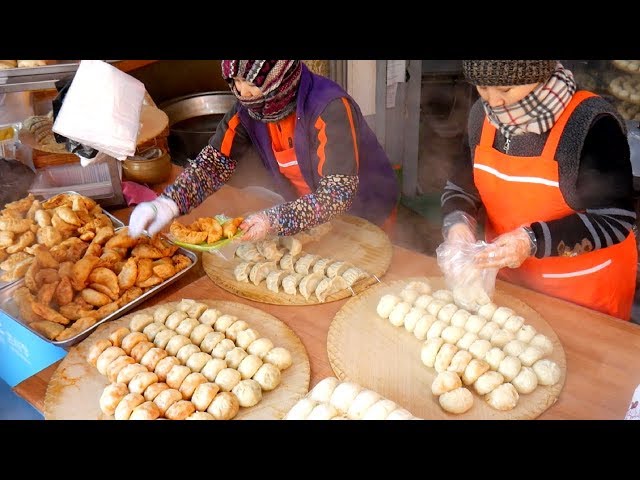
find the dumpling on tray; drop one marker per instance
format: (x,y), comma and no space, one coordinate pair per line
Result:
(269,250)
(290,283)
(248,252)
(292,244)
(288,262)
(241,271)
(322,264)
(353,274)
(329,286)
(274,280)
(305,263)
(260,271)
(337,269)
(309,283)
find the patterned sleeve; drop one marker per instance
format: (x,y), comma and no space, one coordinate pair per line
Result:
(206,174)
(334,195)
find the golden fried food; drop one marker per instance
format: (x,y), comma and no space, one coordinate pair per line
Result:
(152,281)
(58,200)
(50,237)
(94,249)
(3,254)
(6,239)
(186,234)
(42,218)
(145,270)
(49,329)
(231,227)
(128,275)
(49,313)
(23,299)
(180,261)
(129,295)
(211,226)
(62,226)
(117,335)
(144,250)
(106,310)
(46,275)
(68,216)
(72,249)
(165,247)
(23,241)
(164,270)
(22,205)
(15,225)
(30,276)
(87,236)
(31,213)
(94,297)
(46,292)
(121,240)
(98,287)
(81,271)
(109,258)
(65,269)
(103,234)
(18,270)
(78,327)
(64,292)
(43,256)
(106,277)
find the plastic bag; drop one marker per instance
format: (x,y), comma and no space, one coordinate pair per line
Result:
(471,287)
(101,110)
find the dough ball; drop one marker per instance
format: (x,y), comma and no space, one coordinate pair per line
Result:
(145,411)
(487,310)
(301,410)
(211,340)
(479,348)
(209,316)
(234,357)
(249,366)
(111,396)
(456,401)
(445,295)
(474,370)
(185,352)
(260,347)
(228,378)
(200,416)
(445,382)
(323,390)
(452,334)
(487,382)
(514,323)
(444,356)
(467,340)
(422,287)
(446,312)
(268,376)
(514,348)
(235,328)
(212,368)
(322,411)
(429,351)
(396,317)
(380,410)
(280,357)
(526,381)
(386,304)
(204,394)
(153,390)
(190,383)
(423,325)
(409,295)
(164,366)
(510,367)
(362,402)
(151,359)
(459,362)
(434,307)
(547,371)
(223,322)
(475,323)
(141,381)
(494,357)
(139,321)
(501,315)
(460,318)
(526,333)
(117,335)
(343,395)
(249,393)
(423,301)
(501,337)
(401,414)
(412,317)
(126,405)
(176,376)
(488,330)
(246,337)
(543,343)
(198,360)
(530,356)
(436,328)
(198,333)
(503,397)
(225,406)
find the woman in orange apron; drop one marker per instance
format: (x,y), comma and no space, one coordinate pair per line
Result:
(550,166)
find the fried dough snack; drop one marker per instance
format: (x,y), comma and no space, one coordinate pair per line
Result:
(204,230)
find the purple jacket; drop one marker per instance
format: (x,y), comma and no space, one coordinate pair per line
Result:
(378,190)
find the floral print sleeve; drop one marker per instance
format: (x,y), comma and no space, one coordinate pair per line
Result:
(334,195)
(206,174)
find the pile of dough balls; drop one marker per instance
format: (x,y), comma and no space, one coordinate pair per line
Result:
(212,362)
(627,65)
(628,110)
(491,350)
(332,400)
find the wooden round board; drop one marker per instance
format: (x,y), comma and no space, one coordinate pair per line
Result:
(369,350)
(351,239)
(75,387)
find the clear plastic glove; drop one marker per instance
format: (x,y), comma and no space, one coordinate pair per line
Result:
(152,216)
(633,413)
(459,227)
(510,249)
(256,227)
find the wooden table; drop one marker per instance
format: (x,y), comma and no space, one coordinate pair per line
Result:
(601,351)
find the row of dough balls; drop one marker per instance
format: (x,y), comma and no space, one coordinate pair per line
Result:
(140,392)
(210,332)
(628,65)
(429,316)
(332,400)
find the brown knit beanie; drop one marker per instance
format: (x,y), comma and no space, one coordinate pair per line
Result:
(507,72)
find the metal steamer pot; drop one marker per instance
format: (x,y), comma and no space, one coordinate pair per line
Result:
(193,119)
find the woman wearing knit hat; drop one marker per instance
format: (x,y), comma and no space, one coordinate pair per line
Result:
(311,137)
(550,165)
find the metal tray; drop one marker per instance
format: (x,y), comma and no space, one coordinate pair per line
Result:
(116,225)
(8,306)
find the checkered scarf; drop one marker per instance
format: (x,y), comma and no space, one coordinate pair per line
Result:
(538,111)
(278,80)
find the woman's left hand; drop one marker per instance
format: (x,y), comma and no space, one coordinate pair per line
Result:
(255,227)
(510,249)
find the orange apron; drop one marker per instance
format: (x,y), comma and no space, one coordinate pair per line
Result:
(518,191)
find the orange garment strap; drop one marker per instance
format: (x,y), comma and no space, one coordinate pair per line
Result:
(551,146)
(488,134)
(229,135)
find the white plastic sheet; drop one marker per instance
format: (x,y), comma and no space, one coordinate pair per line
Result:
(102,109)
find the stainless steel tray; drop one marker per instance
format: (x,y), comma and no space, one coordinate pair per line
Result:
(116,225)
(8,306)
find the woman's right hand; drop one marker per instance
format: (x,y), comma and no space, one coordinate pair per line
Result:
(152,216)
(460,232)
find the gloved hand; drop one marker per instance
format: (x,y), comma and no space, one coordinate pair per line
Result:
(256,227)
(510,249)
(459,227)
(152,216)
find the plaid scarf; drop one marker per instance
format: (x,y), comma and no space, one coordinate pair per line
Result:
(277,79)
(538,111)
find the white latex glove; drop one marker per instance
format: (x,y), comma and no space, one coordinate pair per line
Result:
(152,216)
(510,249)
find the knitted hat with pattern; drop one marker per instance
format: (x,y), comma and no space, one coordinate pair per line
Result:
(496,73)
